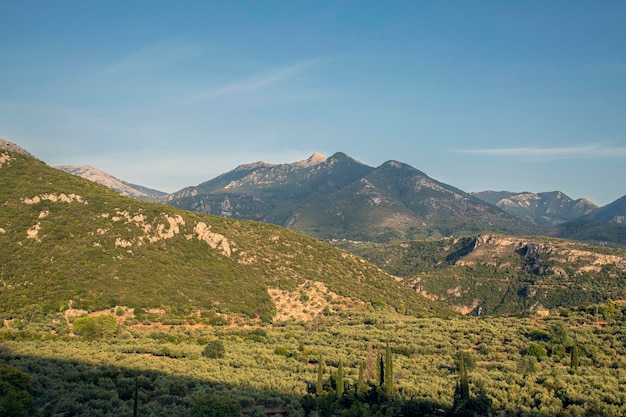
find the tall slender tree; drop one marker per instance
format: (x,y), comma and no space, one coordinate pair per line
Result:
(136,397)
(361,386)
(340,380)
(574,361)
(463,382)
(381,370)
(319,387)
(389,386)
(370,363)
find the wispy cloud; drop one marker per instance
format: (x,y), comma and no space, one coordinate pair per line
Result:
(252,83)
(583,151)
(157,55)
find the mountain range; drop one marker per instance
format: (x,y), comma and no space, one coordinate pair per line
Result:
(614,212)
(341,198)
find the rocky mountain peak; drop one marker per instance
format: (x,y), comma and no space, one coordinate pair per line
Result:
(12,147)
(401,167)
(316,158)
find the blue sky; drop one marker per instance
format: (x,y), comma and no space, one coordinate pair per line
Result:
(500,95)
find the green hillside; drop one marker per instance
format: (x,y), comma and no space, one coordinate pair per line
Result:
(65,240)
(594,231)
(496,274)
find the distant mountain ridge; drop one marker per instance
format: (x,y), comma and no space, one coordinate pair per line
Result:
(341,198)
(115,184)
(549,208)
(614,212)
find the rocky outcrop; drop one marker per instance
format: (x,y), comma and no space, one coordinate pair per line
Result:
(12,147)
(547,257)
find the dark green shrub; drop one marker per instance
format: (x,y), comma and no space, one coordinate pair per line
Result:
(91,328)
(402,350)
(539,335)
(214,350)
(535,350)
(15,392)
(213,405)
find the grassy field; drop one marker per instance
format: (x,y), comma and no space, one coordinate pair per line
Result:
(517,366)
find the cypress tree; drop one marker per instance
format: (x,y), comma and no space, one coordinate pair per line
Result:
(574,361)
(361,386)
(319,387)
(136,397)
(389,388)
(463,382)
(370,363)
(340,380)
(381,370)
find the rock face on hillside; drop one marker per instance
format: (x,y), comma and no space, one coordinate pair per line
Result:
(10,146)
(564,259)
(115,184)
(340,198)
(549,208)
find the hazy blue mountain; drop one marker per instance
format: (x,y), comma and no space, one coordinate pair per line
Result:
(548,208)
(614,212)
(341,198)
